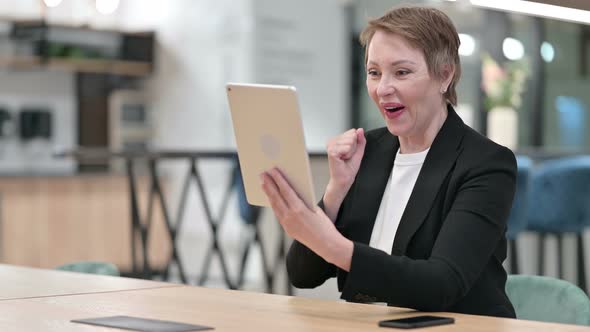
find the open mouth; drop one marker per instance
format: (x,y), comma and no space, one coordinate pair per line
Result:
(394,109)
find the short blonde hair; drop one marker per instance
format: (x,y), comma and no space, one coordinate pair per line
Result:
(427,29)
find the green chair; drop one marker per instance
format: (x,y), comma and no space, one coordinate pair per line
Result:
(548,299)
(91,267)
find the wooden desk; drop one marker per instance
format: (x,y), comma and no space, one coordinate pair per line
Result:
(23,282)
(231,311)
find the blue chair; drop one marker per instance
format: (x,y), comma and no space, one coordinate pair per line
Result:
(517,219)
(559,202)
(91,267)
(548,299)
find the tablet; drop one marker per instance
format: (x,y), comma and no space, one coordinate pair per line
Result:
(269,133)
(141,324)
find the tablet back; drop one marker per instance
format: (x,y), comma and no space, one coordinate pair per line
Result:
(269,133)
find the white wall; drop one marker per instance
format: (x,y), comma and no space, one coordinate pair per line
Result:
(204,44)
(306,44)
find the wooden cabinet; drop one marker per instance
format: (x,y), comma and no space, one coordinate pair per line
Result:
(48,221)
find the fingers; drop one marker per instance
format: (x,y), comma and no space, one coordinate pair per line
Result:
(272,191)
(361,139)
(341,151)
(360,148)
(345,145)
(292,200)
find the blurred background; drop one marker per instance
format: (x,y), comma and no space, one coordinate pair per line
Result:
(116,142)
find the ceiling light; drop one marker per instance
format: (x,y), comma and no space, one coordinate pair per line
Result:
(52,3)
(536,9)
(107,7)
(547,52)
(467,46)
(513,49)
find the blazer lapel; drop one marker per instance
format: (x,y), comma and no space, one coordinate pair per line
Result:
(371,182)
(439,161)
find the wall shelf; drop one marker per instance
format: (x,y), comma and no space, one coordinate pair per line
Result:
(114,67)
(38,45)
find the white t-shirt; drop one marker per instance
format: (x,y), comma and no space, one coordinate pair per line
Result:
(402,179)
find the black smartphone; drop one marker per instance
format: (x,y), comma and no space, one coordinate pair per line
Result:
(416,321)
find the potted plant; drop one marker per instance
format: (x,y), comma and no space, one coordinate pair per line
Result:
(503,86)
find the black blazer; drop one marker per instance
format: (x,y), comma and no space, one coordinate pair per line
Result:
(448,250)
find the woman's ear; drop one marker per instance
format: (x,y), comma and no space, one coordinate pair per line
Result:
(448,71)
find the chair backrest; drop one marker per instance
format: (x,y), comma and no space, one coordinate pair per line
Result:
(90,267)
(517,218)
(548,299)
(559,199)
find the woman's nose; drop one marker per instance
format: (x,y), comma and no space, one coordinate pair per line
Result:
(385,88)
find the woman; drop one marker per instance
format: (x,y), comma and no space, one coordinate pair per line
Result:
(414,214)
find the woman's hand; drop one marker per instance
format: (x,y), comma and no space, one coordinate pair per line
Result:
(345,153)
(311,227)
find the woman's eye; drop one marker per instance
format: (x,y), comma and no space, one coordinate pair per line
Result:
(372,73)
(402,72)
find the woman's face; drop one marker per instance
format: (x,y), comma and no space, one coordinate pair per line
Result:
(399,83)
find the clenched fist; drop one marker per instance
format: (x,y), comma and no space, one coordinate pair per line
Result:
(345,153)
